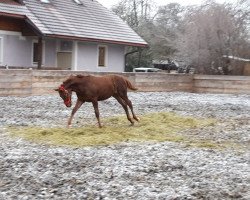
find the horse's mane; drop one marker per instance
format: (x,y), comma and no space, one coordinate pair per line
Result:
(80,76)
(71,80)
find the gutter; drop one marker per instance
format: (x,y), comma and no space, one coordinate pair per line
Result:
(17,16)
(68,37)
(26,19)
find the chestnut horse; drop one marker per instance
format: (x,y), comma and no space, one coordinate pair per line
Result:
(92,89)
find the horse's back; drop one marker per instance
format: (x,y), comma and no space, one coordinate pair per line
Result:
(101,87)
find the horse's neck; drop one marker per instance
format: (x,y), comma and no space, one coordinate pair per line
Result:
(77,85)
(69,84)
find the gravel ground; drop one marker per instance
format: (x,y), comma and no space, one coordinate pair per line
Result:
(129,170)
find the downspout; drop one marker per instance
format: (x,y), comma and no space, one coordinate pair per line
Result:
(139,59)
(126,56)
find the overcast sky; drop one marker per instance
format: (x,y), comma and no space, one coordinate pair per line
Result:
(109,3)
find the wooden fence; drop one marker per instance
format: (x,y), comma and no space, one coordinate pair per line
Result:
(38,82)
(221,84)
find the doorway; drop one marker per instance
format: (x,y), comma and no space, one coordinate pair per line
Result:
(64,60)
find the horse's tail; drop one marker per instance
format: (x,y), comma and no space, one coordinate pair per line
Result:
(129,85)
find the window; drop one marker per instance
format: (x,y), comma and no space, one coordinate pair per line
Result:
(102,51)
(66,46)
(1,50)
(45,1)
(79,2)
(35,52)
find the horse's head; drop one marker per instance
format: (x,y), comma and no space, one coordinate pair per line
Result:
(65,95)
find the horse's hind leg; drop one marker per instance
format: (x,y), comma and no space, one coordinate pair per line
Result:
(129,103)
(97,114)
(124,105)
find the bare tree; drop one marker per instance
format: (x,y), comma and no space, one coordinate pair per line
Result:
(211,31)
(167,24)
(137,14)
(198,35)
(134,12)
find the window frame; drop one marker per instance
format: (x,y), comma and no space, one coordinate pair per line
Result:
(1,50)
(32,53)
(105,56)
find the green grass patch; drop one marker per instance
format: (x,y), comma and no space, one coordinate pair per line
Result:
(152,127)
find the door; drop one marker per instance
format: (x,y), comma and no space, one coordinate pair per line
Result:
(64,60)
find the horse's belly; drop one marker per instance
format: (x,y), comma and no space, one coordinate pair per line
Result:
(101,98)
(98,92)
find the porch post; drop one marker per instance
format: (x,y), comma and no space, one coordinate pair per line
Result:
(40,53)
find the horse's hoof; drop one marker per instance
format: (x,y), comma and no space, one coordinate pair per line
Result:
(137,119)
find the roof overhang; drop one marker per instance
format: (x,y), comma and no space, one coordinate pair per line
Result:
(97,40)
(17,16)
(26,19)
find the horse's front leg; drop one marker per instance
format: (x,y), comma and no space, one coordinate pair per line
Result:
(77,106)
(95,105)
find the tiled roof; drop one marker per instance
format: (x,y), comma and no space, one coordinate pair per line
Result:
(65,18)
(13,9)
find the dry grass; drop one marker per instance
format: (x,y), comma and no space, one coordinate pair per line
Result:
(152,127)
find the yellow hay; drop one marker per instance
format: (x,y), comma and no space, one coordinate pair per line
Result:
(152,127)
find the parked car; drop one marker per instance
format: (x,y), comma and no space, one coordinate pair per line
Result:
(167,65)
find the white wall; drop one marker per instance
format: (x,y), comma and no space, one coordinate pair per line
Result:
(50,53)
(17,51)
(88,58)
